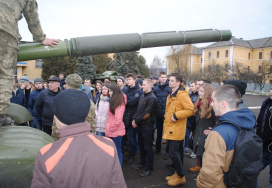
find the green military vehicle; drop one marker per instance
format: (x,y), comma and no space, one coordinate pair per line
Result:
(19,145)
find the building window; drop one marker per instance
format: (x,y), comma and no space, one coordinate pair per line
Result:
(38,63)
(201,60)
(270,81)
(227,53)
(260,69)
(260,55)
(210,55)
(271,54)
(270,68)
(248,55)
(248,69)
(217,54)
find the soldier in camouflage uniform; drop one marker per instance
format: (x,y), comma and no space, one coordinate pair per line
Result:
(10,13)
(74,81)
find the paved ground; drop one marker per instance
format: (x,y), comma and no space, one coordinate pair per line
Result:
(160,171)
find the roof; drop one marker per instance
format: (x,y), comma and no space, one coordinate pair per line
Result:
(255,43)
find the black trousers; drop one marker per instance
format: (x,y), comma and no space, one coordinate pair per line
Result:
(176,154)
(47,129)
(145,143)
(159,122)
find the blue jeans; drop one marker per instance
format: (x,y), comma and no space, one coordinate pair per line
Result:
(118,142)
(186,141)
(37,123)
(132,136)
(100,133)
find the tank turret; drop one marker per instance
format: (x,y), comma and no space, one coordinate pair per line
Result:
(92,45)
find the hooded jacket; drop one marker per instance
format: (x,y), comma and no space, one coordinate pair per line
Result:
(179,106)
(263,129)
(161,92)
(101,113)
(219,147)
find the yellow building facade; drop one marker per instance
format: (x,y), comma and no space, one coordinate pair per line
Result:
(33,69)
(250,53)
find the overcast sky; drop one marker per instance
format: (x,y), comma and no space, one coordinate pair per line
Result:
(65,19)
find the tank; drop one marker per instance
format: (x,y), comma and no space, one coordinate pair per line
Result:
(19,145)
(92,45)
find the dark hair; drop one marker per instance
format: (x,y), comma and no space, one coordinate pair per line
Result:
(117,98)
(228,93)
(162,73)
(107,78)
(131,75)
(95,90)
(205,81)
(178,77)
(139,76)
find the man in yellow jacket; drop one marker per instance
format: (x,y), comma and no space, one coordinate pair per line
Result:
(178,107)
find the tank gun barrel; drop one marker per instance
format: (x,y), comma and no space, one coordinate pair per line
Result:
(92,45)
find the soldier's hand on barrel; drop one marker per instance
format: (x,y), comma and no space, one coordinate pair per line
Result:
(50,42)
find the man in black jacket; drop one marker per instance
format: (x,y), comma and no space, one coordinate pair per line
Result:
(44,102)
(133,94)
(144,120)
(264,130)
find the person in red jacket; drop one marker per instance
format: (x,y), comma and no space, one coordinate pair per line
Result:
(79,158)
(115,128)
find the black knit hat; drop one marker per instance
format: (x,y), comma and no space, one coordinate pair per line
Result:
(240,84)
(71,106)
(54,79)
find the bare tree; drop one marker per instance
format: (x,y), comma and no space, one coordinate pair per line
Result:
(215,72)
(155,66)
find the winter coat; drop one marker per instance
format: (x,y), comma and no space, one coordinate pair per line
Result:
(263,128)
(194,96)
(133,95)
(145,114)
(78,159)
(161,92)
(31,104)
(18,98)
(115,126)
(219,147)
(43,106)
(199,136)
(101,113)
(179,106)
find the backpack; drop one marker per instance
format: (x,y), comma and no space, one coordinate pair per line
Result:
(246,163)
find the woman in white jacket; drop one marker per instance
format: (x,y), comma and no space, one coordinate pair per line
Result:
(101,110)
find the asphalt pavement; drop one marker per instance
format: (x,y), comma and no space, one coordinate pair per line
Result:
(134,180)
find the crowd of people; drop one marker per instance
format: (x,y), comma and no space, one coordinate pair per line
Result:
(133,110)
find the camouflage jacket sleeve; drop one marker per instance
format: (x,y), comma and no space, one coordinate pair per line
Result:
(31,15)
(91,117)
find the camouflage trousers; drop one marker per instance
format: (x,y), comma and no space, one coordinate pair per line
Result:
(8,60)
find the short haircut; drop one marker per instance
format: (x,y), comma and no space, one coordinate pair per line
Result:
(178,77)
(192,83)
(139,76)
(162,73)
(205,81)
(149,82)
(87,79)
(228,93)
(131,75)
(107,78)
